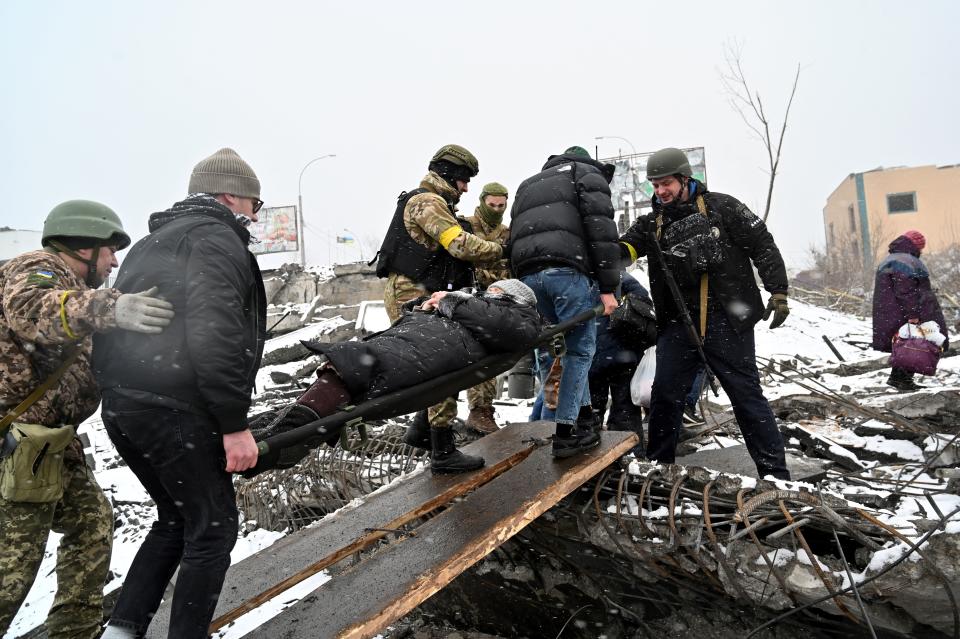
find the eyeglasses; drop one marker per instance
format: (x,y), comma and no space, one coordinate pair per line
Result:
(257,204)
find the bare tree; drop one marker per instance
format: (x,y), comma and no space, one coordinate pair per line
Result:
(749,106)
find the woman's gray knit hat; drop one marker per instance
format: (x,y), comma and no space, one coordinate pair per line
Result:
(517,290)
(224,172)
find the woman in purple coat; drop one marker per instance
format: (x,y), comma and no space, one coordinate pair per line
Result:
(901,294)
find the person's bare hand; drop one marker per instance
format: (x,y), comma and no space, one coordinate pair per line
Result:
(241,450)
(609,301)
(431,303)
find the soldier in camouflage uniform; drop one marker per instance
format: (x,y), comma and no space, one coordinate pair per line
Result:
(427,250)
(49,302)
(487,223)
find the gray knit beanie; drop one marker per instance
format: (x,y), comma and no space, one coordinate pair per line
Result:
(224,172)
(516,289)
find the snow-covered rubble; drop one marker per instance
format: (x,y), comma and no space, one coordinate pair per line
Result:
(797,362)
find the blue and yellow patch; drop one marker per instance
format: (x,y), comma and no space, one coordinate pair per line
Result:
(42,279)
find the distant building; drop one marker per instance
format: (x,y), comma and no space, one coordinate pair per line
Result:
(14,242)
(870,209)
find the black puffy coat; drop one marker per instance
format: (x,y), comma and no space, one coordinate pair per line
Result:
(742,238)
(207,359)
(423,345)
(563,216)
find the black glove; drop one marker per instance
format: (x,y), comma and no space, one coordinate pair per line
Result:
(777,305)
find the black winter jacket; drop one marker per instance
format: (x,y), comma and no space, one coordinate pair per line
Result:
(742,238)
(563,216)
(423,345)
(207,359)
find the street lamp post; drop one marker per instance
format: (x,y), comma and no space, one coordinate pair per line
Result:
(617,137)
(303,251)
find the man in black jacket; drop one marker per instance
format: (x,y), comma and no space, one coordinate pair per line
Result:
(433,337)
(563,246)
(176,406)
(708,241)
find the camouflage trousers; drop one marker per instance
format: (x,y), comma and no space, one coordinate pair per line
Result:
(85,518)
(482,395)
(399,290)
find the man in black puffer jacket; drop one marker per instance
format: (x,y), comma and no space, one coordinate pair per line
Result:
(176,406)
(434,336)
(563,246)
(709,241)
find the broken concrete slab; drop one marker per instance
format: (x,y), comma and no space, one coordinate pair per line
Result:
(735,460)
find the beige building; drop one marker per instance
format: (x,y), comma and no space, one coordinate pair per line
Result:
(870,209)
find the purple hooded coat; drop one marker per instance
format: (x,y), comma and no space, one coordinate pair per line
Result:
(902,292)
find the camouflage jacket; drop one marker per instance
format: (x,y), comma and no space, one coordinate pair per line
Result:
(428,220)
(45,306)
(490,272)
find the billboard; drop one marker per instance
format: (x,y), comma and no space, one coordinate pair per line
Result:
(630,190)
(276,230)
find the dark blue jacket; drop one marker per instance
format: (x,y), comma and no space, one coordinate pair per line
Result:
(610,349)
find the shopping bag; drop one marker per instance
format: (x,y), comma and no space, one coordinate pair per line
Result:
(915,354)
(641,384)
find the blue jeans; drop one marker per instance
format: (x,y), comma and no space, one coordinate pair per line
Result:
(733,360)
(179,459)
(563,293)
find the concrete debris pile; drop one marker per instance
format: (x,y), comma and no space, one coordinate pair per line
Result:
(868,544)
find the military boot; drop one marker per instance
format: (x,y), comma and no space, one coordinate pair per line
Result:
(418,432)
(445,457)
(481,420)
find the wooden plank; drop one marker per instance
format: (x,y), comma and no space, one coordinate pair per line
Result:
(369,596)
(306,552)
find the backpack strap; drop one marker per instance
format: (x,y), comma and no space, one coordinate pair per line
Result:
(702,206)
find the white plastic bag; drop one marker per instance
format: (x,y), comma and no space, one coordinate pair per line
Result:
(641,384)
(929,331)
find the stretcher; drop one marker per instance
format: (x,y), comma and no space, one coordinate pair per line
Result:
(418,397)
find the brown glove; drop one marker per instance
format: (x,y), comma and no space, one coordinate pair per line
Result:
(778,306)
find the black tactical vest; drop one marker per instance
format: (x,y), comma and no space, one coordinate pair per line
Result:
(435,270)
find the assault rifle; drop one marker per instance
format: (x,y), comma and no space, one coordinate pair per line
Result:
(684,312)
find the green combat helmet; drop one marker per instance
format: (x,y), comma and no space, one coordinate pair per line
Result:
(668,161)
(80,224)
(456,154)
(85,219)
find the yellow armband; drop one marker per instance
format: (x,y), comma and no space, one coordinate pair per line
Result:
(450,235)
(631,250)
(63,314)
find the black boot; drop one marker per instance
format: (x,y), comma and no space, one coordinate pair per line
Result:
(570,440)
(418,432)
(902,379)
(446,458)
(587,419)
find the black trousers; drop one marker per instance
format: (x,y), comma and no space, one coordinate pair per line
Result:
(613,382)
(732,358)
(179,459)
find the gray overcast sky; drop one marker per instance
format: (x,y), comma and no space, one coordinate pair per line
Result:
(116,101)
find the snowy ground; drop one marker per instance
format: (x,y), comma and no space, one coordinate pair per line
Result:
(800,336)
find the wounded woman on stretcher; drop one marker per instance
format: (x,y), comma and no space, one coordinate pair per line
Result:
(435,335)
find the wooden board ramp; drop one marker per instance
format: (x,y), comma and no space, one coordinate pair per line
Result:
(519,482)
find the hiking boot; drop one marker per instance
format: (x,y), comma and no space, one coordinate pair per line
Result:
(481,420)
(690,414)
(418,432)
(576,440)
(445,457)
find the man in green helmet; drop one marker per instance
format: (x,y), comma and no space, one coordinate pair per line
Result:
(426,250)
(710,243)
(487,223)
(51,305)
